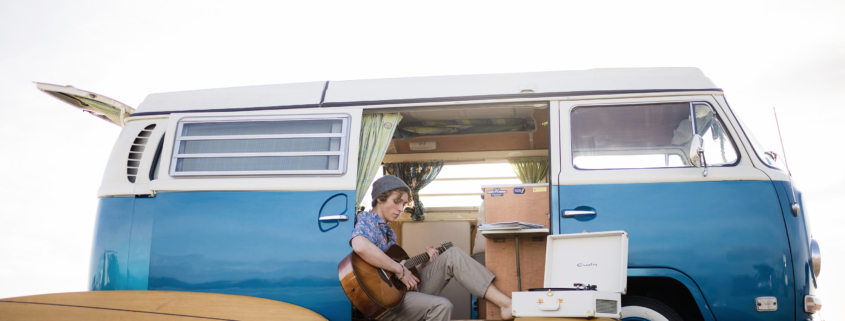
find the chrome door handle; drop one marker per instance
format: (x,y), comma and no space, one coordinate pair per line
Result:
(342,218)
(574,213)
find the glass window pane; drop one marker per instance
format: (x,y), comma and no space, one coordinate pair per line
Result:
(265,154)
(628,161)
(633,136)
(759,149)
(718,148)
(264,163)
(315,144)
(322,126)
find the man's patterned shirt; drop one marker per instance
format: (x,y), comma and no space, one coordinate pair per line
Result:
(371,226)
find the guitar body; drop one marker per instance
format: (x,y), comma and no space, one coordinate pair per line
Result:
(372,290)
(375,291)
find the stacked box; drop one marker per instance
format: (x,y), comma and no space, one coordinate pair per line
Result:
(525,203)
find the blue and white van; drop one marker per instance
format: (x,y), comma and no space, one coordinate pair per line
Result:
(252,190)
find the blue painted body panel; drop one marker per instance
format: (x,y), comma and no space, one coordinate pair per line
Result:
(799,242)
(727,237)
(684,279)
(110,251)
(262,244)
(727,242)
(138,267)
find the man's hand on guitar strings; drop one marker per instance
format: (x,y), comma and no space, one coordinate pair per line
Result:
(432,253)
(408,279)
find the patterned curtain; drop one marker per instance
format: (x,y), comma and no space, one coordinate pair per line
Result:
(376,131)
(417,175)
(530,169)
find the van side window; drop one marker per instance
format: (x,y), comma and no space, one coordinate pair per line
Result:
(305,144)
(646,136)
(718,147)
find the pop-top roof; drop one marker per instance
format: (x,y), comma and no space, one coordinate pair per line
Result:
(422,89)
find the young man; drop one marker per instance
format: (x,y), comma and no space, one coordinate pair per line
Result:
(372,236)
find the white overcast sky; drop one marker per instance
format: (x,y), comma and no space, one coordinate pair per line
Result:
(764,54)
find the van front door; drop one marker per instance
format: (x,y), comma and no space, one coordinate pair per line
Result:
(624,165)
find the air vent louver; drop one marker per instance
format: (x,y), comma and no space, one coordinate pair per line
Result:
(606,306)
(136,151)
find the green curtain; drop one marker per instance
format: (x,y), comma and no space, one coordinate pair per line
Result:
(376,132)
(530,169)
(417,175)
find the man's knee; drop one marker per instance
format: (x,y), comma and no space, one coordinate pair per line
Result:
(443,304)
(453,251)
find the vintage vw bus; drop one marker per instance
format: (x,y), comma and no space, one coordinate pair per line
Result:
(253,190)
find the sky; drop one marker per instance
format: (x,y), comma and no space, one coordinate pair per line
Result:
(764,54)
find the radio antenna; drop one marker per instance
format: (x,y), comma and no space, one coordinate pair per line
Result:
(794,206)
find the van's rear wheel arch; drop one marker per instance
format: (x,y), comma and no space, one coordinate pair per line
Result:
(666,291)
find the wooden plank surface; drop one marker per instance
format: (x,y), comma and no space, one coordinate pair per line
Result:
(149,306)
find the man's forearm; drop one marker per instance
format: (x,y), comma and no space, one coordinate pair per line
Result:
(373,255)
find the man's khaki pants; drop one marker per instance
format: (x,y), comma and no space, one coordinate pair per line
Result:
(426,304)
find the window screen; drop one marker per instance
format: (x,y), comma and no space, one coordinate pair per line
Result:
(314,144)
(646,136)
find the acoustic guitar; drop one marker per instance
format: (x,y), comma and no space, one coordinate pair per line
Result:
(375,291)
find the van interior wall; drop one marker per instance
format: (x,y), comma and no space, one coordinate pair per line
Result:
(471,143)
(397,228)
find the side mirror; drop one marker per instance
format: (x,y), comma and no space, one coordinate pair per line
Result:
(696,150)
(696,153)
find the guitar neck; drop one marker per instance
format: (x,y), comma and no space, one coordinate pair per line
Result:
(422,258)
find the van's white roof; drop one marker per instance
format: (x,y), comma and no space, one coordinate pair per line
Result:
(438,88)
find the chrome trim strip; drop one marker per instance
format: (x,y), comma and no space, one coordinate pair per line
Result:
(342,218)
(574,213)
(316,135)
(276,154)
(816,256)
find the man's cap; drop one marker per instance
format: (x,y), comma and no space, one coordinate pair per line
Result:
(386,183)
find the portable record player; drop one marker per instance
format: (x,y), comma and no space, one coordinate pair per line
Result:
(585,277)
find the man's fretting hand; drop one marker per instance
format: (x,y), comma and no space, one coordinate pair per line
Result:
(432,253)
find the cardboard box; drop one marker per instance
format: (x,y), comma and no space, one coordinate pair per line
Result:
(521,202)
(526,203)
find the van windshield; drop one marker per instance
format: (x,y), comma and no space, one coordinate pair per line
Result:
(765,155)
